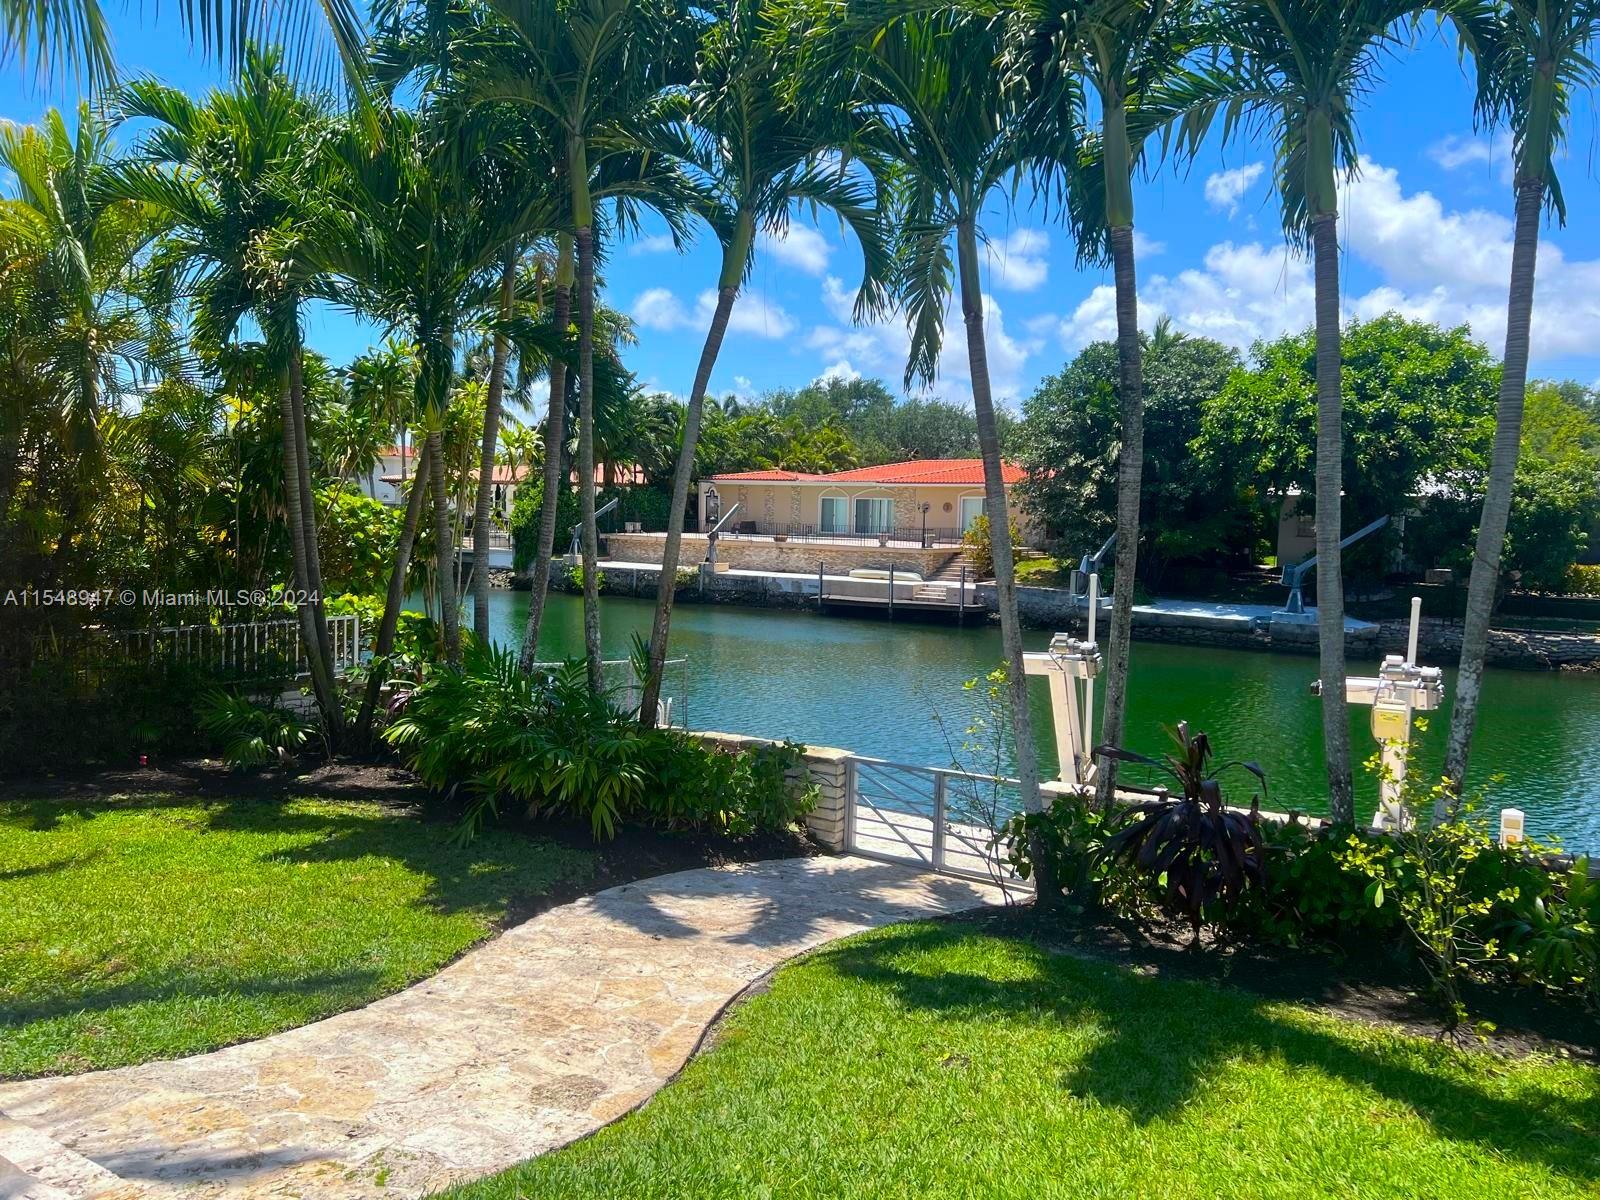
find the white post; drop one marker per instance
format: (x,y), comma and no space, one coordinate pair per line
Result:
(1088,692)
(1416,629)
(1512,821)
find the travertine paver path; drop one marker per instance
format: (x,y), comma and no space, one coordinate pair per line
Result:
(536,1038)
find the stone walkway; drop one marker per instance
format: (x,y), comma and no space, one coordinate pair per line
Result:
(536,1038)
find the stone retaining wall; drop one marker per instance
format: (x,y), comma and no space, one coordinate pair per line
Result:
(1531,649)
(824,766)
(766,555)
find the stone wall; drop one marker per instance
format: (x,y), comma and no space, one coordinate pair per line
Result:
(1439,642)
(823,766)
(763,554)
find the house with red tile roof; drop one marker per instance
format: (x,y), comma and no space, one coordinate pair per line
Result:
(929,500)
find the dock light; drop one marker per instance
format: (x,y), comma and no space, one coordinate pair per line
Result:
(1511,826)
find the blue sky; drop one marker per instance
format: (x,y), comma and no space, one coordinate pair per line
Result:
(1425,230)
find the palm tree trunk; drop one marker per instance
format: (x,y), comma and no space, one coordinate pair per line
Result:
(1485,578)
(491,437)
(554,480)
(383,645)
(308,513)
(733,265)
(444,552)
(321,678)
(591,538)
(1330,488)
(1005,579)
(1130,482)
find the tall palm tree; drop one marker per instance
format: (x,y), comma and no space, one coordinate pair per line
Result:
(236,175)
(384,381)
(954,133)
(494,396)
(72,35)
(1296,72)
(594,69)
(1532,55)
(91,337)
(758,157)
(1122,49)
(437,181)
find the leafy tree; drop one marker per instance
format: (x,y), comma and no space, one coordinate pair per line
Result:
(358,536)
(1416,401)
(1069,442)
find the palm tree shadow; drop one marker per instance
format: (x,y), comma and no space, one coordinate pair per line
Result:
(1164,1039)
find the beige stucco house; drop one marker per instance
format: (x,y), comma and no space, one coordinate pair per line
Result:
(926,501)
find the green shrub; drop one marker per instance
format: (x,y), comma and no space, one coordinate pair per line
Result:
(1583,579)
(356,537)
(980,546)
(496,736)
(1308,896)
(1551,932)
(251,734)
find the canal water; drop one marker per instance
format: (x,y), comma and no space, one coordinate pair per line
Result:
(875,688)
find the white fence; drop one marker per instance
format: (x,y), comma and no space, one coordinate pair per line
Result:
(249,650)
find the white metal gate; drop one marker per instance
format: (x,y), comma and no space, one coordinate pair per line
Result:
(941,819)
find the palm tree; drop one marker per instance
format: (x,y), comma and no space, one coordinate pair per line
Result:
(235,176)
(593,68)
(1296,71)
(955,135)
(1532,55)
(758,157)
(439,181)
(91,337)
(494,395)
(1121,49)
(384,381)
(72,35)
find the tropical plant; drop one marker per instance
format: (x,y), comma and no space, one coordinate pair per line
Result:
(251,734)
(978,545)
(1553,934)
(1202,854)
(1296,71)
(758,156)
(1531,56)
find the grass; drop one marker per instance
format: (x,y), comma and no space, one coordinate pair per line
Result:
(136,929)
(936,1060)
(1045,572)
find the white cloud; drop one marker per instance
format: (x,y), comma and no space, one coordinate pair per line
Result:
(1434,264)
(1020,261)
(1224,189)
(1145,246)
(659,243)
(657,308)
(841,370)
(799,246)
(1465,150)
(881,347)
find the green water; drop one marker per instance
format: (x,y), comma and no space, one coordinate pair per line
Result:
(873,687)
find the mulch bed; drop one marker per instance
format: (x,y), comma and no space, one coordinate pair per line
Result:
(1381,985)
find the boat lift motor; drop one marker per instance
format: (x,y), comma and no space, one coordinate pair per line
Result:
(1088,568)
(576,548)
(1294,577)
(1071,666)
(716,531)
(1400,689)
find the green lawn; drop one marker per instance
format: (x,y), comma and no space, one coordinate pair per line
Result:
(134,929)
(1045,572)
(937,1061)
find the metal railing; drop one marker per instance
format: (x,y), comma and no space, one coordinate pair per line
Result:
(900,535)
(244,651)
(933,817)
(499,539)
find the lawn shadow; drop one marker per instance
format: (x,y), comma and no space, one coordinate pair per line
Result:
(1165,1038)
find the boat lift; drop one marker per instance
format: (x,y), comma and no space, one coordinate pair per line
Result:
(1071,666)
(1294,577)
(716,531)
(1400,689)
(1089,568)
(576,547)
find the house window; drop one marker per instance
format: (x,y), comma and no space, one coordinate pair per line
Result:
(971,510)
(874,514)
(834,516)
